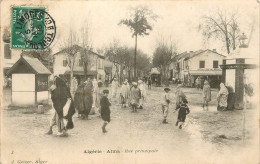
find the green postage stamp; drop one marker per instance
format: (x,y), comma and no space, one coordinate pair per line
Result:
(32,28)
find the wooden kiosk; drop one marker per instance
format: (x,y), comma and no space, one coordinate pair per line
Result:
(29,82)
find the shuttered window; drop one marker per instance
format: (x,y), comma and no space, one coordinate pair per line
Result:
(215,64)
(202,64)
(65,63)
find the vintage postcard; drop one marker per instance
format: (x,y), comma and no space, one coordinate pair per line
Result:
(125,82)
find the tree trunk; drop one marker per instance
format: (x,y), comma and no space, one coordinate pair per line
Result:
(234,40)
(121,74)
(227,44)
(135,57)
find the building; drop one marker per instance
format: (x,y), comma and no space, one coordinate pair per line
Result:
(29,82)
(204,63)
(95,64)
(10,57)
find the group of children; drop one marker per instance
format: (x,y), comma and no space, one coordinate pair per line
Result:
(182,108)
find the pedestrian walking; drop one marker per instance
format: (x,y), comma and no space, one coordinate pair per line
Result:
(206,94)
(198,83)
(74,86)
(95,95)
(143,93)
(105,110)
(165,104)
(179,95)
(222,97)
(59,96)
(183,111)
(124,94)
(83,99)
(149,83)
(135,95)
(114,87)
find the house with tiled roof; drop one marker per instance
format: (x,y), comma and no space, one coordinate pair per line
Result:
(95,68)
(188,66)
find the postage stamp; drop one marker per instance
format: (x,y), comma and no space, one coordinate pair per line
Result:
(32,28)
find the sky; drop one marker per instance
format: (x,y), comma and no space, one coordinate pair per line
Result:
(178,21)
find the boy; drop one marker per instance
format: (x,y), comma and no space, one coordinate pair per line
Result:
(183,111)
(165,104)
(105,110)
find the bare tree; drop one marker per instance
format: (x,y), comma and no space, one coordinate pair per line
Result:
(139,23)
(164,52)
(222,26)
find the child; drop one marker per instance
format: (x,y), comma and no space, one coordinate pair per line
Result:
(135,96)
(105,110)
(165,104)
(183,111)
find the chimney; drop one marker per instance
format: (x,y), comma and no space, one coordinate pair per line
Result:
(214,50)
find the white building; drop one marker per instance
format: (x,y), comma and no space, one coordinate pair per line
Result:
(95,68)
(204,63)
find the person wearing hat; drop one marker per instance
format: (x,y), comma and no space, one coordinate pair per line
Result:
(135,95)
(105,109)
(165,104)
(124,94)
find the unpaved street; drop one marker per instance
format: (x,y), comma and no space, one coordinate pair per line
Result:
(207,136)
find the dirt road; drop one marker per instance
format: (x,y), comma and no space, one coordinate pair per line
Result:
(207,136)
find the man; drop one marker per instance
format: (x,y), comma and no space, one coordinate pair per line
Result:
(143,93)
(114,87)
(135,95)
(124,93)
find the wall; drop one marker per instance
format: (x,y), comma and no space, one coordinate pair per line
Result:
(208,57)
(42,96)
(60,69)
(23,89)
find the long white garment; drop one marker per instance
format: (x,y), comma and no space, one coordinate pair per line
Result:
(95,92)
(114,88)
(125,92)
(142,88)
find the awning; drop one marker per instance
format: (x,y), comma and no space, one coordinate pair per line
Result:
(206,72)
(155,71)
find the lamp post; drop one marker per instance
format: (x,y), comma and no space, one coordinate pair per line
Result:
(242,40)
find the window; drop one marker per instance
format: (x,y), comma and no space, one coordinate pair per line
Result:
(7,51)
(215,64)
(80,63)
(65,63)
(202,64)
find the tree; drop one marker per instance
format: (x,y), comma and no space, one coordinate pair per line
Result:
(43,55)
(222,26)
(139,24)
(162,57)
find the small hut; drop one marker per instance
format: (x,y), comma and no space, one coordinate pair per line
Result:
(29,82)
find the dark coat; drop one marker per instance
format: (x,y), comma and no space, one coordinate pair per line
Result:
(83,98)
(59,96)
(105,108)
(183,111)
